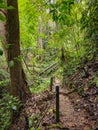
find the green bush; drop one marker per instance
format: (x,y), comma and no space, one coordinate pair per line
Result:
(4,82)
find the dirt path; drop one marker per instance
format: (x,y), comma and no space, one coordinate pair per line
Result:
(74,120)
(69,117)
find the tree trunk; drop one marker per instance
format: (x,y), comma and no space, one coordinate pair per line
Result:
(19,86)
(40,41)
(63,62)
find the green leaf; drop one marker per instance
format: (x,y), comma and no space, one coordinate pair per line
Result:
(10,7)
(2,18)
(4,6)
(30,122)
(7,46)
(11,63)
(14,107)
(1,52)
(19,58)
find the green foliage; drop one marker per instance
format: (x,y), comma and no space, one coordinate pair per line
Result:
(11,63)
(61,11)
(1,52)
(2,6)
(41,85)
(4,82)
(5,7)
(8,104)
(1,1)
(62,30)
(19,58)
(2,18)
(28,23)
(96,81)
(93,82)
(90,24)
(4,75)
(7,46)
(33,120)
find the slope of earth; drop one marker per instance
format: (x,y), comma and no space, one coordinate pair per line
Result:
(85,83)
(79,109)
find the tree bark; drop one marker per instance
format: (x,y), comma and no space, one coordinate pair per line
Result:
(19,87)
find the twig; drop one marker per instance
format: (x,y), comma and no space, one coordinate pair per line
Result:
(26,65)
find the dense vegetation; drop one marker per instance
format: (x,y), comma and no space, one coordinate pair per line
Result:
(57,39)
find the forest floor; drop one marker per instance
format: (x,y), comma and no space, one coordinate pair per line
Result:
(71,117)
(73,114)
(42,116)
(77,111)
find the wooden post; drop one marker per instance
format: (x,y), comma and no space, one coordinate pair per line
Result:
(63,83)
(51,83)
(57,104)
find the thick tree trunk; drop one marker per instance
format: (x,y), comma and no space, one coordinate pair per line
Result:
(19,86)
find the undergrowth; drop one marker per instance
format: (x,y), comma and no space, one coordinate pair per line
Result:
(8,104)
(41,85)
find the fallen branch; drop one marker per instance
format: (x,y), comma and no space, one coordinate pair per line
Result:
(44,113)
(42,116)
(49,67)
